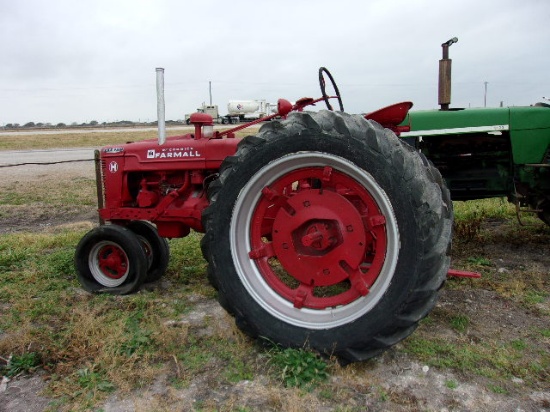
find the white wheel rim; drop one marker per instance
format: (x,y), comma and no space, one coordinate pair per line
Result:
(251,277)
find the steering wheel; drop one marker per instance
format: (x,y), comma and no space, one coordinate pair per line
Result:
(323,91)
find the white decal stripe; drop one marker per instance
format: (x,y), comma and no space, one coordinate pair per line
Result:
(494,128)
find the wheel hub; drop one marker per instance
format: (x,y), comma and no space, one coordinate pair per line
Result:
(317,236)
(112,262)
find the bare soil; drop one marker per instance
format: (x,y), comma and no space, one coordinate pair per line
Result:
(395,381)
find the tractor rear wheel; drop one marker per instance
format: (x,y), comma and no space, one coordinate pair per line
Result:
(110,259)
(325,230)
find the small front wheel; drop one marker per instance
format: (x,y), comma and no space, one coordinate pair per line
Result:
(110,259)
(156,248)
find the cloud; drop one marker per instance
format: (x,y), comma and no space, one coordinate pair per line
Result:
(75,61)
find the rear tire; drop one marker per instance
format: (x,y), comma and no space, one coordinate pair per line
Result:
(110,259)
(325,230)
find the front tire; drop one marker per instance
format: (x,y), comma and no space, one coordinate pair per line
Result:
(155,247)
(326,230)
(110,259)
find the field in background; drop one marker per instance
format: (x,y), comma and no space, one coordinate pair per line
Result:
(485,346)
(89,138)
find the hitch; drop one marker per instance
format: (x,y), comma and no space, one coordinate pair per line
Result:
(463,274)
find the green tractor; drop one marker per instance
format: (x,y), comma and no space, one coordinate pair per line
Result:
(485,153)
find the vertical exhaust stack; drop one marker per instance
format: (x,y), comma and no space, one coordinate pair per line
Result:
(445,75)
(160,106)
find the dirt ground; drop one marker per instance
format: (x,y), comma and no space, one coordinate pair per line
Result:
(406,383)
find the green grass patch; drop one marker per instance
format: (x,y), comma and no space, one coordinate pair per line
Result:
(459,323)
(24,363)
(451,384)
(499,361)
(475,210)
(297,367)
(51,192)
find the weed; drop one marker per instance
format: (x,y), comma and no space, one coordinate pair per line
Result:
(187,267)
(451,384)
(59,262)
(11,258)
(518,344)
(459,323)
(384,397)
(24,363)
(139,338)
(498,389)
(238,370)
(479,261)
(468,229)
(298,367)
(534,297)
(194,356)
(495,208)
(89,380)
(470,215)
(326,394)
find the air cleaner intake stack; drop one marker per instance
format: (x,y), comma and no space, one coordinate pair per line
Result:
(160,106)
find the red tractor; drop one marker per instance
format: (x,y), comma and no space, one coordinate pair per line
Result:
(323,229)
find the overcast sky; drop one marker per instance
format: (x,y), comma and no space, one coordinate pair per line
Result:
(77,61)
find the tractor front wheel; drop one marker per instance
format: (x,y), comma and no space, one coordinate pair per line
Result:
(325,230)
(110,259)
(155,247)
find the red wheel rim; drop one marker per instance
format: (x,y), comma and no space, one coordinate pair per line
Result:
(112,261)
(318,238)
(108,263)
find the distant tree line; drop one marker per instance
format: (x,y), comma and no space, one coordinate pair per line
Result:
(93,123)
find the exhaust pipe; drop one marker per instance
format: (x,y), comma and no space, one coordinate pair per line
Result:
(445,75)
(160,106)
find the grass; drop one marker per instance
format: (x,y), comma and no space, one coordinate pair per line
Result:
(91,346)
(105,335)
(499,362)
(94,345)
(77,139)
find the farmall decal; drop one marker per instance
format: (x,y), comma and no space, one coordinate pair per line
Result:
(173,153)
(113,150)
